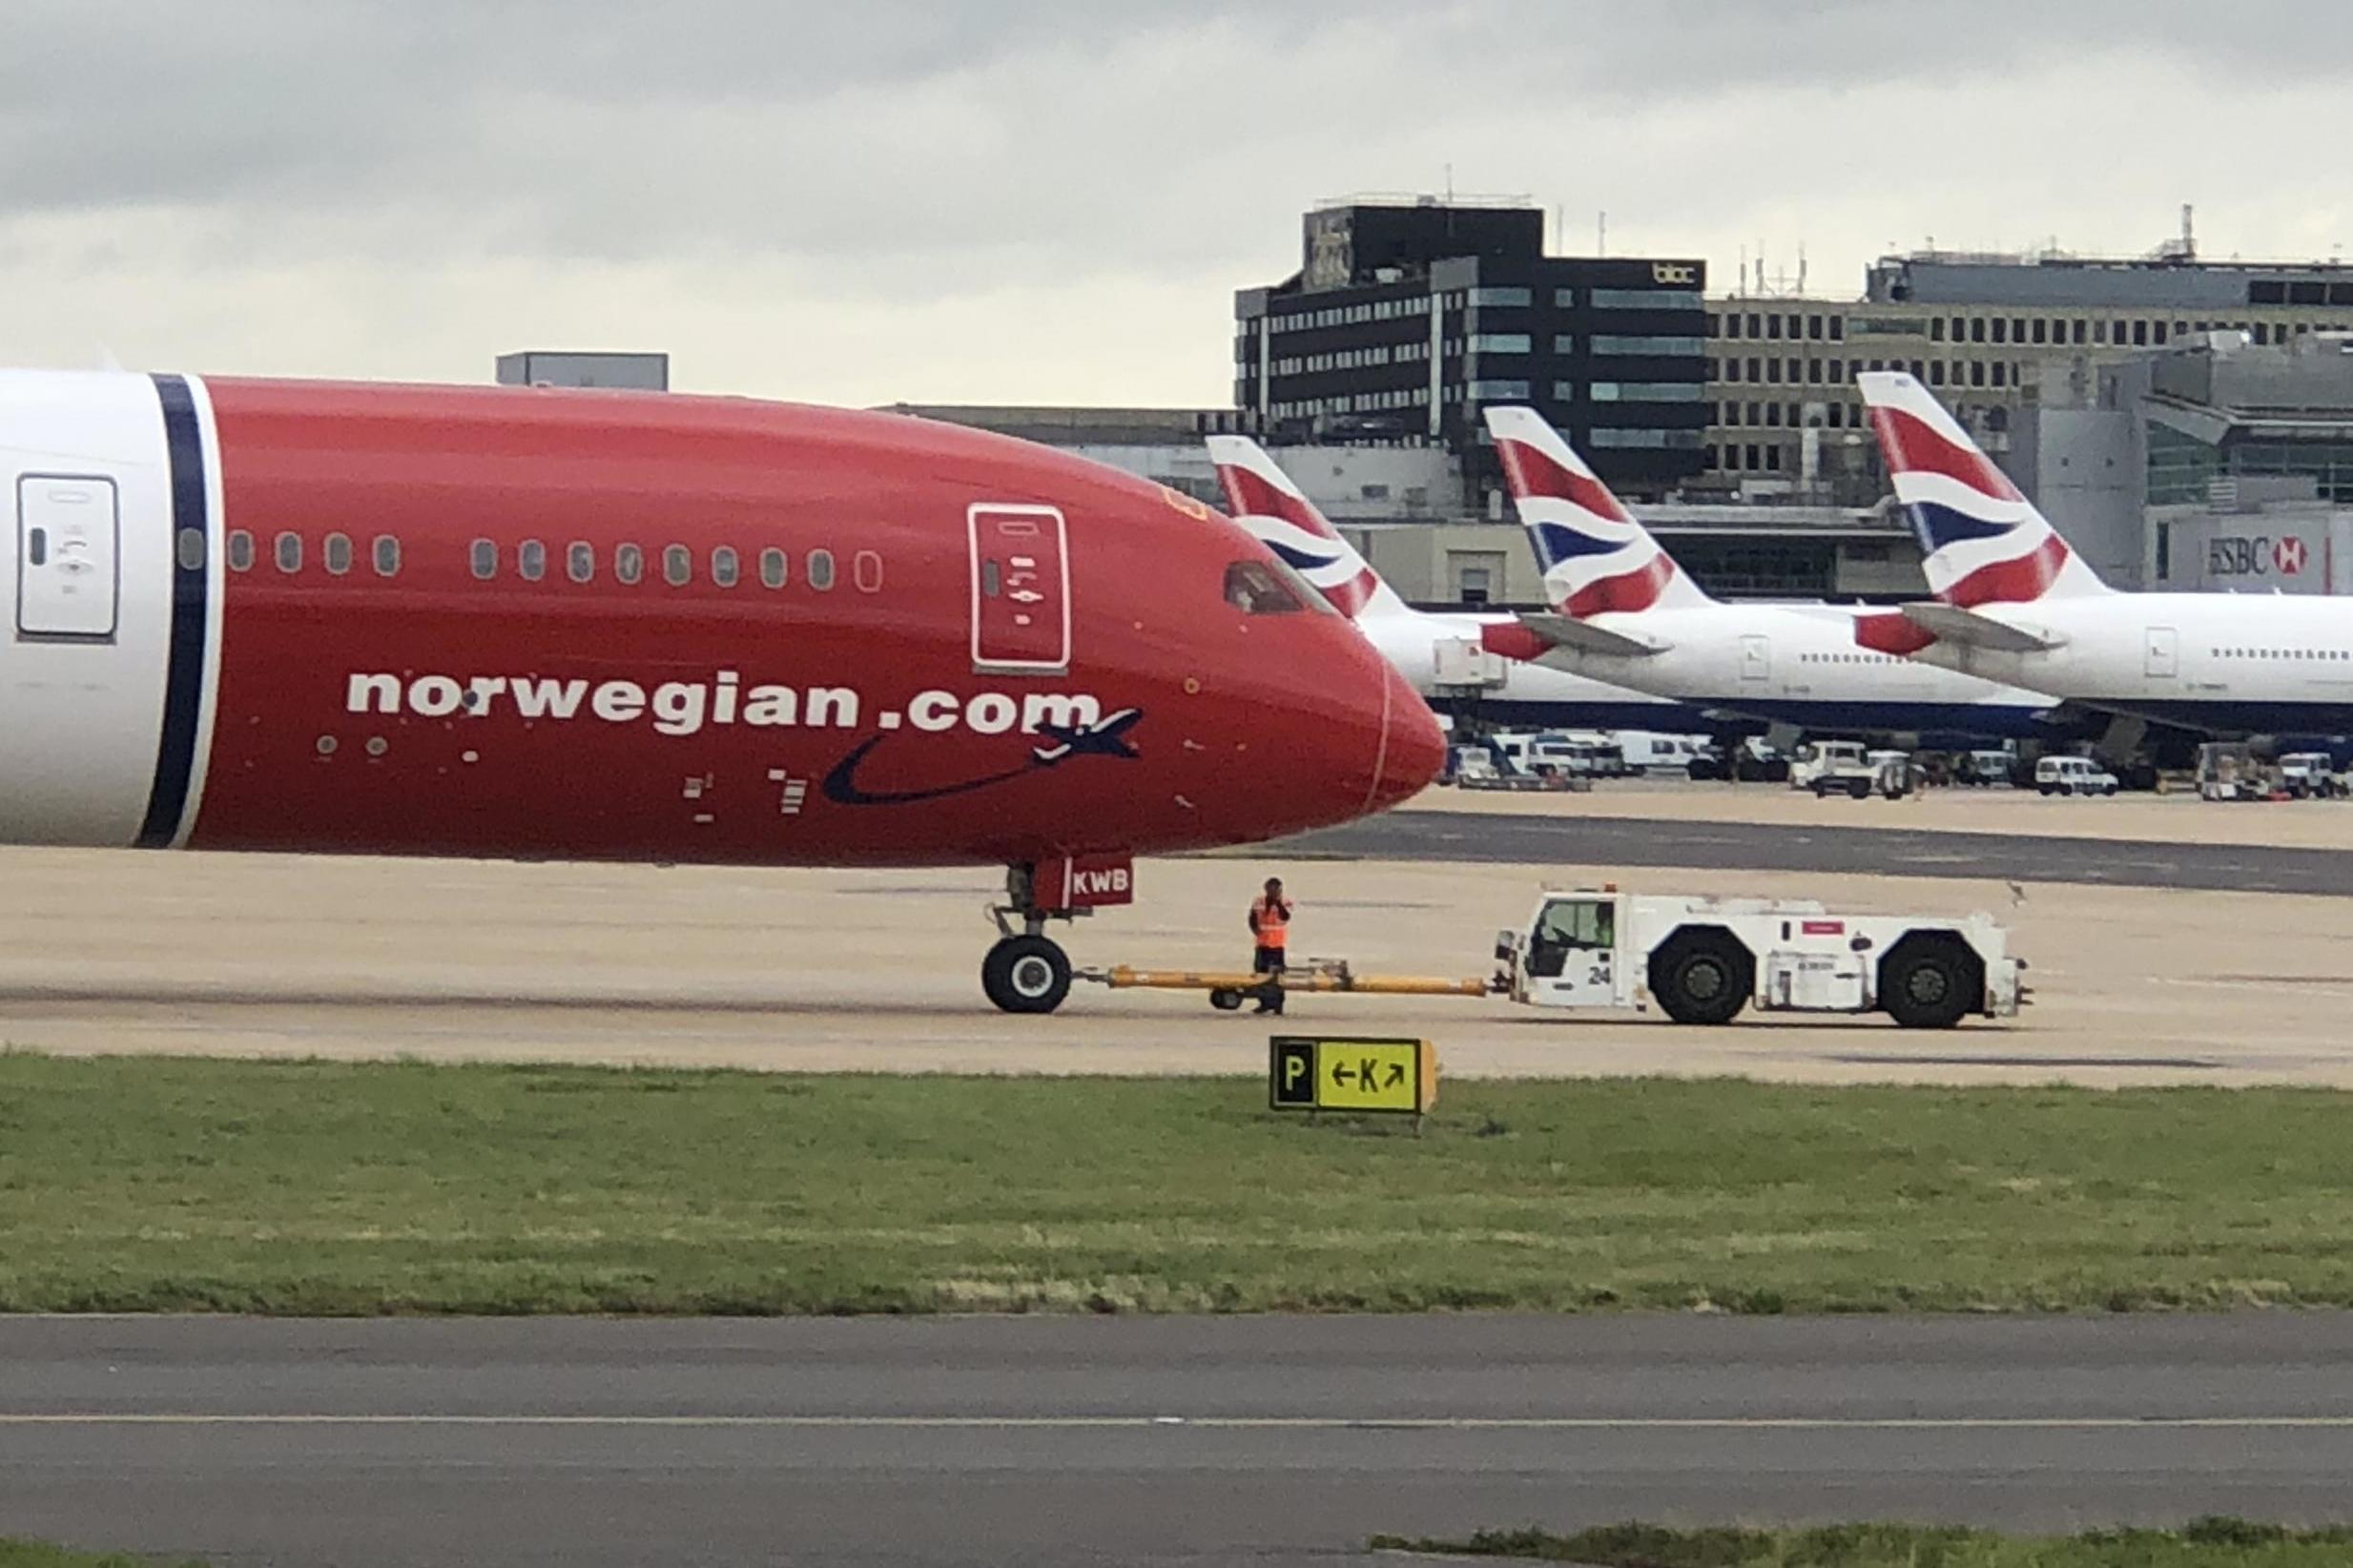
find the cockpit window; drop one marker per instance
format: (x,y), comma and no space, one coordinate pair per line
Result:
(1253,588)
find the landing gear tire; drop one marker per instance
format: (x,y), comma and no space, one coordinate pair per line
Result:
(1027,975)
(1226,1000)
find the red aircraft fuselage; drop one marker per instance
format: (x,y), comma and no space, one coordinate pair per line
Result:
(409,620)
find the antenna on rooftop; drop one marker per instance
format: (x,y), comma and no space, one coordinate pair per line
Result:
(1600,234)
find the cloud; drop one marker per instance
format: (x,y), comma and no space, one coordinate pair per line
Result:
(894,199)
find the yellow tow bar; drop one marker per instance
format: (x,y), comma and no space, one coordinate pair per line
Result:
(1227,989)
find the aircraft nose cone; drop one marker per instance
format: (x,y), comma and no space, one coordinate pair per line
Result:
(1412,746)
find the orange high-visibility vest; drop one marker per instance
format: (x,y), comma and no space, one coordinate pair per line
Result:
(1271,922)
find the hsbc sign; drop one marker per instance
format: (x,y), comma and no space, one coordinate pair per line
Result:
(1673,273)
(2255,555)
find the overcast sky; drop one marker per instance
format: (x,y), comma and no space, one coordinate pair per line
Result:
(1052,201)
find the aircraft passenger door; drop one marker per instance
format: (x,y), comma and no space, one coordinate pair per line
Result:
(67,531)
(1020,589)
(1756,658)
(2163,660)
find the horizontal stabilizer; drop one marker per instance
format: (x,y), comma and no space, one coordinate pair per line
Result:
(1953,623)
(1546,631)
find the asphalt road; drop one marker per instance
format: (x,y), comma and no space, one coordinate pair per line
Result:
(1895,852)
(1187,1440)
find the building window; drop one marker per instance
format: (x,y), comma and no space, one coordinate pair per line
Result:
(1772,327)
(290,553)
(1814,372)
(484,560)
(1838,329)
(628,564)
(1754,462)
(532,561)
(1564,343)
(1976,372)
(1642,299)
(2141,333)
(1977,330)
(1651,439)
(336,555)
(822,570)
(1501,342)
(2001,329)
(240,551)
(1838,371)
(678,564)
(580,561)
(1813,328)
(2039,330)
(1772,460)
(1732,413)
(1646,392)
(387,555)
(1732,324)
(773,568)
(1506,391)
(2079,326)
(1773,414)
(1502,297)
(1937,372)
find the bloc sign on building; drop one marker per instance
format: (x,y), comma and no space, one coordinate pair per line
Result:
(1309,1073)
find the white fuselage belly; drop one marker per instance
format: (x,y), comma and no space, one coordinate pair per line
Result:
(1409,640)
(1800,665)
(2231,663)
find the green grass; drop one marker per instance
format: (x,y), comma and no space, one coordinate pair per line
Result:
(322,1187)
(33,1553)
(2206,1543)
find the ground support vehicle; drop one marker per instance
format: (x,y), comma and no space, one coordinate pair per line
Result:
(2310,775)
(1834,767)
(1705,960)
(2073,775)
(1229,989)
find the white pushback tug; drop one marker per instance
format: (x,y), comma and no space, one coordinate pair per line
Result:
(1704,959)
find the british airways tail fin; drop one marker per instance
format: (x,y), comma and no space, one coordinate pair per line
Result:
(1982,541)
(1264,498)
(1596,558)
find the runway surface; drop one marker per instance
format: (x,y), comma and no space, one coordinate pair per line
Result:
(1191,1440)
(1835,846)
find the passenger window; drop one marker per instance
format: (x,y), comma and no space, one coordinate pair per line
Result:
(485,558)
(822,570)
(866,570)
(1254,590)
(628,564)
(338,554)
(532,561)
(240,551)
(290,553)
(724,567)
(580,561)
(192,549)
(773,568)
(677,565)
(387,555)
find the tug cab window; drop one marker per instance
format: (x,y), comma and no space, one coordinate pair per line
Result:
(1570,926)
(1254,590)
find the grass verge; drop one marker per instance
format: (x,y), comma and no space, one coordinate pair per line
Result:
(2204,1543)
(130,1184)
(34,1554)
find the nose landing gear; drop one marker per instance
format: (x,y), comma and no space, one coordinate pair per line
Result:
(1027,971)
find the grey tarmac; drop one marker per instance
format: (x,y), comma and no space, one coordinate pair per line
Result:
(1176,1440)
(1837,847)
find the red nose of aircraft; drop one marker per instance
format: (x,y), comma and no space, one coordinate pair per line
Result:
(1412,746)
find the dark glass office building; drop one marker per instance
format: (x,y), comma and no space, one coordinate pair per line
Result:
(1404,319)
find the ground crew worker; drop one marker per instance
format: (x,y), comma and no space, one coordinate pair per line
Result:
(1271,929)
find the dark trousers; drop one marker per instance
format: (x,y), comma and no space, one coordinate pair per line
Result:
(1269,961)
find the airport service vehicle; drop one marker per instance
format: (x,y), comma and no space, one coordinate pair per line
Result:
(2015,603)
(1444,656)
(2073,775)
(2228,770)
(2310,775)
(1645,751)
(1828,767)
(1703,960)
(518,623)
(1624,612)
(1983,769)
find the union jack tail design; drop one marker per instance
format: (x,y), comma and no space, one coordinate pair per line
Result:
(1263,499)
(1596,559)
(1983,542)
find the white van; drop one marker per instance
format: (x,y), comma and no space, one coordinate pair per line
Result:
(2073,775)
